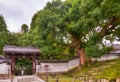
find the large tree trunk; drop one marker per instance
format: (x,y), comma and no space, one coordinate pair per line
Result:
(80,51)
(81,54)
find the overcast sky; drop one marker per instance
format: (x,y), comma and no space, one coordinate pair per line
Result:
(18,12)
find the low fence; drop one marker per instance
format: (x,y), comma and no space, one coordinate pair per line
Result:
(56,67)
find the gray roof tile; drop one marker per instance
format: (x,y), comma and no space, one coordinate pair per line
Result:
(19,49)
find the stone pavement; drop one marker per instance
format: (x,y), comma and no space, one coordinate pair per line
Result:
(30,78)
(9,80)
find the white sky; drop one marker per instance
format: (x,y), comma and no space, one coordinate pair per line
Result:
(18,12)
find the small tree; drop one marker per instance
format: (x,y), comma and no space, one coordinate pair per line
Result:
(24,28)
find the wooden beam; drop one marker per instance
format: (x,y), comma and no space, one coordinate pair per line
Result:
(13,64)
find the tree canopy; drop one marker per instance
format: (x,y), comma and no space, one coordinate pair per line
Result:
(48,32)
(79,25)
(92,21)
(24,28)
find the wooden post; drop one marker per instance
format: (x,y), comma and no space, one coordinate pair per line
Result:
(33,64)
(12,64)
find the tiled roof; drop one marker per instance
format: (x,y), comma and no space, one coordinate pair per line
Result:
(19,49)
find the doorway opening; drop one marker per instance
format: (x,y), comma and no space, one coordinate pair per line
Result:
(23,66)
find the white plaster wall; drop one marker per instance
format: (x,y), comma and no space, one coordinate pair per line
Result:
(4,68)
(73,63)
(108,57)
(64,67)
(58,67)
(53,67)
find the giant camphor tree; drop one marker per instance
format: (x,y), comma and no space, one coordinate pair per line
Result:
(89,22)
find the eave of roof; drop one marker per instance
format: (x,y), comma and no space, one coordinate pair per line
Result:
(19,49)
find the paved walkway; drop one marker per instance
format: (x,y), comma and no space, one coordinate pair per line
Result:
(30,78)
(9,80)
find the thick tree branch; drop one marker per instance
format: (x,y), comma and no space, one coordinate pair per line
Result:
(110,25)
(106,27)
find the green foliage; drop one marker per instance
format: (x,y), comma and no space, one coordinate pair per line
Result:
(94,39)
(3,27)
(96,52)
(13,38)
(85,17)
(47,31)
(78,18)
(7,38)
(23,63)
(4,34)
(95,48)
